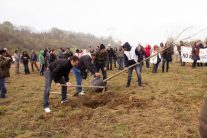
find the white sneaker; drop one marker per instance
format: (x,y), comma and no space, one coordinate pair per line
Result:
(62,102)
(81,93)
(47,110)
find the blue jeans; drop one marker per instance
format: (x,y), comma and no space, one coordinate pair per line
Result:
(77,74)
(3,87)
(48,80)
(138,69)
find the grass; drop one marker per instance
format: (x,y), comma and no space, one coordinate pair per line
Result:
(166,106)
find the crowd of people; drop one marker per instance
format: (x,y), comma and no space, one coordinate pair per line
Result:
(55,65)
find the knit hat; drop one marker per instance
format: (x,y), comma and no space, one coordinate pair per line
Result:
(102,46)
(127,47)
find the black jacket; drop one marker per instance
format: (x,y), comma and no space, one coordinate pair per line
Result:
(85,62)
(60,68)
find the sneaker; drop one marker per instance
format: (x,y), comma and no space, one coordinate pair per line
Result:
(81,93)
(62,102)
(47,110)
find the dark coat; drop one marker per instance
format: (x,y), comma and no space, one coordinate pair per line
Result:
(85,62)
(195,53)
(167,54)
(25,58)
(4,67)
(60,68)
(203,119)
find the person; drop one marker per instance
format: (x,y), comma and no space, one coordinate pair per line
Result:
(25,60)
(59,53)
(78,53)
(120,58)
(203,119)
(147,54)
(80,72)
(139,51)
(58,71)
(42,62)
(34,61)
(16,61)
(101,60)
(167,56)
(156,59)
(52,56)
(195,54)
(115,56)
(201,46)
(68,53)
(179,47)
(4,71)
(111,56)
(131,58)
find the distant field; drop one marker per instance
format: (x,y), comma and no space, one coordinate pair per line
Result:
(166,106)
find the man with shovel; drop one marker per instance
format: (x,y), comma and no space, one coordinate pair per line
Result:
(58,71)
(85,63)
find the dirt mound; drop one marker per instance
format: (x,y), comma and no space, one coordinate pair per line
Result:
(112,100)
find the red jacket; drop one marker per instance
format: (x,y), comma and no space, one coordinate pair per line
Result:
(147,50)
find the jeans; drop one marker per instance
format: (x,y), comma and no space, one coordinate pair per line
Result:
(26,68)
(77,74)
(120,62)
(155,67)
(163,65)
(3,87)
(101,67)
(138,69)
(42,68)
(17,67)
(48,80)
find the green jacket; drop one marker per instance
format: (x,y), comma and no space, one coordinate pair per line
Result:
(4,67)
(41,57)
(102,58)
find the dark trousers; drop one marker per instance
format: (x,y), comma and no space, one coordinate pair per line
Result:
(26,68)
(3,87)
(154,68)
(164,61)
(203,119)
(109,67)
(42,69)
(48,80)
(147,63)
(115,59)
(194,63)
(101,67)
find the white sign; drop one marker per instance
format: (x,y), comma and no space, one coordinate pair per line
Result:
(186,55)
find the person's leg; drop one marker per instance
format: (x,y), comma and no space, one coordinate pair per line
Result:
(104,73)
(153,68)
(63,90)
(115,62)
(139,76)
(3,87)
(25,68)
(122,63)
(130,70)
(32,66)
(48,80)
(35,63)
(28,68)
(163,65)
(77,74)
(156,67)
(167,66)
(110,63)
(119,63)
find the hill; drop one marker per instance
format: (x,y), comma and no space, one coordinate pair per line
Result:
(23,38)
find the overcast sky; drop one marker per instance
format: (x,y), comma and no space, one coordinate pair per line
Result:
(144,21)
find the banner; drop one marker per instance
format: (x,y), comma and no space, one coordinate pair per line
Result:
(186,54)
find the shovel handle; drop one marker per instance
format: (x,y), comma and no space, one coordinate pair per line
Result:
(84,86)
